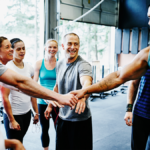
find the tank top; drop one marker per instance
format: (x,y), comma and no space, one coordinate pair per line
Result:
(47,79)
(142,106)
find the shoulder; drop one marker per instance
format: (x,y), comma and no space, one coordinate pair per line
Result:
(143,55)
(82,62)
(38,64)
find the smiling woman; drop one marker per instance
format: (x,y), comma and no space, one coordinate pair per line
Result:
(6,52)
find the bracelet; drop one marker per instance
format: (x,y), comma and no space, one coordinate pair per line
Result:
(37,114)
(129,107)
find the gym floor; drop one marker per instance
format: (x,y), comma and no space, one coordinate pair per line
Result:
(109,129)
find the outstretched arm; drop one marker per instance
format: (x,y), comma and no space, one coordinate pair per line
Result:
(30,87)
(132,71)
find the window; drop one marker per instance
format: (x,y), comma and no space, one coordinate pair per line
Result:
(23,19)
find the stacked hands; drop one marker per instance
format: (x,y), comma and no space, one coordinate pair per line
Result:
(74,99)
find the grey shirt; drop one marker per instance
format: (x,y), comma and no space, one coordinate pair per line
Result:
(68,79)
(2,69)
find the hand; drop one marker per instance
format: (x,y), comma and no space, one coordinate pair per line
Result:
(128,118)
(79,93)
(36,119)
(80,107)
(68,99)
(54,103)
(48,111)
(14,125)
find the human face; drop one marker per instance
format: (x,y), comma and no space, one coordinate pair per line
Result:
(19,50)
(71,48)
(51,49)
(148,15)
(6,52)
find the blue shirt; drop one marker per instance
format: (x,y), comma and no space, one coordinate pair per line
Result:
(142,106)
(47,79)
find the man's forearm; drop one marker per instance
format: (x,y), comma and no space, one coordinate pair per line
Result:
(109,82)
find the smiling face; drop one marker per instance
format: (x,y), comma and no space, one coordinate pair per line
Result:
(19,50)
(6,52)
(71,47)
(51,49)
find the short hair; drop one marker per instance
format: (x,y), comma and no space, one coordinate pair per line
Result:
(71,33)
(15,40)
(51,40)
(2,38)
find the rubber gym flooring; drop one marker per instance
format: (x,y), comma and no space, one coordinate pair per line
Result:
(109,129)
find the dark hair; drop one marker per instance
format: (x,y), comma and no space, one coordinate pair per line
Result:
(15,40)
(2,38)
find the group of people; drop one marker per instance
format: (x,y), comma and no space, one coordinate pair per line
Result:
(73,123)
(71,80)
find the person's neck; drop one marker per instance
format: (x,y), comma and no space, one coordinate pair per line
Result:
(50,59)
(4,61)
(69,61)
(19,63)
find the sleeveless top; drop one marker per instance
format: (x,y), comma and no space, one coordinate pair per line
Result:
(142,106)
(47,79)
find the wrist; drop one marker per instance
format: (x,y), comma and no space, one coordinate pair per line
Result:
(129,107)
(37,114)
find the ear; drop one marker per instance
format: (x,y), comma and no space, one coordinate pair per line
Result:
(63,46)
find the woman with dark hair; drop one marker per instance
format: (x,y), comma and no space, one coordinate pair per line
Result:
(17,106)
(6,54)
(46,73)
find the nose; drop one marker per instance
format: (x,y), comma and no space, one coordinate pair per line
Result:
(11,49)
(72,46)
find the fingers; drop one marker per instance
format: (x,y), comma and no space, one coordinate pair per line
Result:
(58,105)
(80,107)
(128,120)
(47,114)
(18,127)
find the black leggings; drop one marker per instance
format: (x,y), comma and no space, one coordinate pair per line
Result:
(45,139)
(24,122)
(140,133)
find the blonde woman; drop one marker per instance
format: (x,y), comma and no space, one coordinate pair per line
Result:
(46,73)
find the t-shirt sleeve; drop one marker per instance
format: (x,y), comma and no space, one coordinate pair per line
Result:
(2,69)
(85,69)
(32,71)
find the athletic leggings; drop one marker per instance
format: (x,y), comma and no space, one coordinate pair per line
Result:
(24,122)
(140,139)
(45,139)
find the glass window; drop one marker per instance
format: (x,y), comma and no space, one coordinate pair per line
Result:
(23,19)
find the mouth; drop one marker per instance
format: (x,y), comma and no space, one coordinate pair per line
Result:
(21,55)
(71,52)
(11,54)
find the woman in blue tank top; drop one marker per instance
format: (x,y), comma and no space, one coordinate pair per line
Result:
(46,74)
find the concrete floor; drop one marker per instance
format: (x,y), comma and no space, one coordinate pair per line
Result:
(109,129)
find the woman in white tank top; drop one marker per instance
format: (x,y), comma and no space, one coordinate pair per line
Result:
(17,113)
